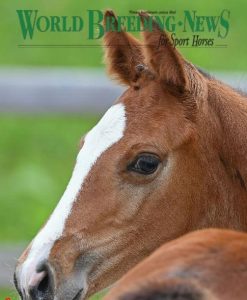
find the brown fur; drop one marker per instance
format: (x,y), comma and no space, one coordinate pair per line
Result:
(124,52)
(170,71)
(196,126)
(209,264)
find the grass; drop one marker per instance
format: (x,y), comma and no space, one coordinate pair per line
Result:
(212,59)
(36,160)
(12,295)
(9,294)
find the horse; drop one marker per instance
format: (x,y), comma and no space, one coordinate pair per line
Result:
(209,264)
(169,157)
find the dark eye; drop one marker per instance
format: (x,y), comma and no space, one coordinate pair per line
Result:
(145,164)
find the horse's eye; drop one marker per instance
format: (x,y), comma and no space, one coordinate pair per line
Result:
(145,164)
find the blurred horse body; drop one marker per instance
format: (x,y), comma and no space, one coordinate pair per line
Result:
(204,265)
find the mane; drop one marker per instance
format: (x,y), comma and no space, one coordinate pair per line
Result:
(204,73)
(209,76)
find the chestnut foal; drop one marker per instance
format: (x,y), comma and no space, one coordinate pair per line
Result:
(168,158)
(207,264)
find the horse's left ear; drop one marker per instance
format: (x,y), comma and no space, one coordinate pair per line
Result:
(161,55)
(122,52)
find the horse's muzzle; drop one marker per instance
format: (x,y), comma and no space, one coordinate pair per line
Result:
(41,284)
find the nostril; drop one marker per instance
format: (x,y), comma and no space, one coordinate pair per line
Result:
(41,284)
(36,279)
(40,290)
(44,285)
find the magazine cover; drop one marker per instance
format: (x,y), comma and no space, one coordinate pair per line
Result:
(123,150)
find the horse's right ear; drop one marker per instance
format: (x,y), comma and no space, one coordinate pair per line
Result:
(122,52)
(161,55)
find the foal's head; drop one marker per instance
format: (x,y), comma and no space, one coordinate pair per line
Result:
(138,177)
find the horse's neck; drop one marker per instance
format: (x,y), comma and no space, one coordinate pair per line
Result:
(231,116)
(224,135)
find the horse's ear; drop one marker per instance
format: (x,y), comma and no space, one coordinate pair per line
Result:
(160,54)
(122,52)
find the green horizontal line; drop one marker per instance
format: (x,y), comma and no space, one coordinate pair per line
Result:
(95,46)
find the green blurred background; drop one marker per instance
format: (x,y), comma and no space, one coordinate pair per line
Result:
(37,152)
(232,58)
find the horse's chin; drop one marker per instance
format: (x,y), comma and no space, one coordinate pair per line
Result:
(70,294)
(71,291)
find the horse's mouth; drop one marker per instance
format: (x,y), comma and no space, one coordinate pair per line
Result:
(78,295)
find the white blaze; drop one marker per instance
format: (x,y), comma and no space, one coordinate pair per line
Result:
(107,132)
